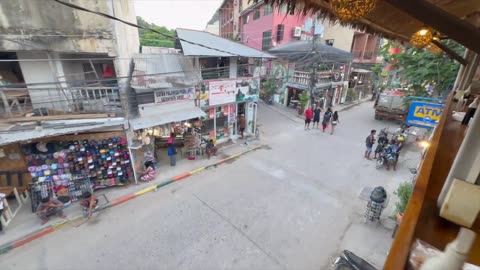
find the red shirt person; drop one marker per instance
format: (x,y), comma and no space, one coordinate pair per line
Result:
(308,117)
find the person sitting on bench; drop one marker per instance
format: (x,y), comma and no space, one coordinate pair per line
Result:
(89,202)
(49,207)
(211,149)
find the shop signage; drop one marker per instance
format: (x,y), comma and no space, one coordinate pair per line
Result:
(174,95)
(423,114)
(222,92)
(211,113)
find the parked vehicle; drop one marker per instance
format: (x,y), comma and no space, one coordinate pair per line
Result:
(349,261)
(385,157)
(391,105)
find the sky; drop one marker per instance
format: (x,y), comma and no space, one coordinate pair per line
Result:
(191,14)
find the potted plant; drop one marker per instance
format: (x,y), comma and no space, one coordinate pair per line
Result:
(303,101)
(268,90)
(403,192)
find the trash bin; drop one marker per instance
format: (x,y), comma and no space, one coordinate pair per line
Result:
(376,204)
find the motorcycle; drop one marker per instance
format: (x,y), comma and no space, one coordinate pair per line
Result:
(349,261)
(385,157)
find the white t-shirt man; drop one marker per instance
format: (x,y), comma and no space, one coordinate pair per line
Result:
(2,196)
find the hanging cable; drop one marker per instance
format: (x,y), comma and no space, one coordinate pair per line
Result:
(142,27)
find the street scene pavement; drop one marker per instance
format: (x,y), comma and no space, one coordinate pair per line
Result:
(294,204)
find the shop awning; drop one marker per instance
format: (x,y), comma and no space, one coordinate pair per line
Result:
(27,131)
(163,117)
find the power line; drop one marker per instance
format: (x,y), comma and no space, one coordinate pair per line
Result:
(140,27)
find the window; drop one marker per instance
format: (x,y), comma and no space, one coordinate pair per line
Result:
(268,10)
(246,19)
(256,14)
(280,30)
(267,40)
(284,9)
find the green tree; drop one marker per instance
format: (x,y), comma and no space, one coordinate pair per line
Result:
(149,38)
(420,68)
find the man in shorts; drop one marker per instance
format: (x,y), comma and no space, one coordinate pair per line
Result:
(242,124)
(369,142)
(89,202)
(49,207)
(316,116)
(308,117)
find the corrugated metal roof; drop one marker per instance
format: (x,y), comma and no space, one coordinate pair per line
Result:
(164,70)
(216,42)
(56,128)
(163,117)
(304,52)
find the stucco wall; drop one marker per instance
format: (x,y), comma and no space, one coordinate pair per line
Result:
(253,30)
(46,25)
(342,36)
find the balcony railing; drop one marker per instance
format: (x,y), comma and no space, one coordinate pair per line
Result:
(364,55)
(303,77)
(21,102)
(217,73)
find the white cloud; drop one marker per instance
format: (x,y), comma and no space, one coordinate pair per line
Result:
(191,14)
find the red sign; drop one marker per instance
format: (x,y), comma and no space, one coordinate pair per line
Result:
(211,113)
(225,110)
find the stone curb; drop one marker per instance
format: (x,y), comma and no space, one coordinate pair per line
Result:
(54,227)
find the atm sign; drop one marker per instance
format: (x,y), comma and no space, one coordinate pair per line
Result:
(428,112)
(424,114)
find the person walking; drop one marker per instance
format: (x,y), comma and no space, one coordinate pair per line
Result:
(334,122)
(369,142)
(326,118)
(308,117)
(242,124)
(316,116)
(2,196)
(172,152)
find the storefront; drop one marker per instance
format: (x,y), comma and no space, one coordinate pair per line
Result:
(223,102)
(69,165)
(150,132)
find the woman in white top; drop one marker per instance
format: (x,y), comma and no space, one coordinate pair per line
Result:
(2,196)
(470,111)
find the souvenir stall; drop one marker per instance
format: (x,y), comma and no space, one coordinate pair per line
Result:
(224,101)
(153,142)
(75,164)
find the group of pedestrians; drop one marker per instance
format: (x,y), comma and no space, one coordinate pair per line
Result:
(389,149)
(329,118)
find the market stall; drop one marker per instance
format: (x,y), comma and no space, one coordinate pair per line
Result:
(95,160)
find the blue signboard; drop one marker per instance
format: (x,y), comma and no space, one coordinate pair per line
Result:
(424,114)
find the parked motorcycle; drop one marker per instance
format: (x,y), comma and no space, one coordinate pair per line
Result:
(349,261)
(385,157)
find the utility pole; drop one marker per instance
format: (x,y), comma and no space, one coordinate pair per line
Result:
(313,74)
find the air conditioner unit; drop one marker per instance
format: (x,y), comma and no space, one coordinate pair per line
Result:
(297,32)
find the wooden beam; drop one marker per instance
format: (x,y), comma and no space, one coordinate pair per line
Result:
(57,117)
(450,52)
(455,28)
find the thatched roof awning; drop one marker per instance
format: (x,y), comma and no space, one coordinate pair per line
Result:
(399,19)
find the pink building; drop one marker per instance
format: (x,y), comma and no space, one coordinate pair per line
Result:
(264,26)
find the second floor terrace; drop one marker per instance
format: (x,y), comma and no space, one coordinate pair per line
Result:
(322,78)
(58,103)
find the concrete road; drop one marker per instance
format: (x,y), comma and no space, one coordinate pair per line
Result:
(293,205)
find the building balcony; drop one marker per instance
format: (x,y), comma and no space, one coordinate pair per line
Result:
(322,77)
(366,57)
(58,102)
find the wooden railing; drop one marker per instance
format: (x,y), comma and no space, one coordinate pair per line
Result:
(20,102)
(303,77)
(421,219)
